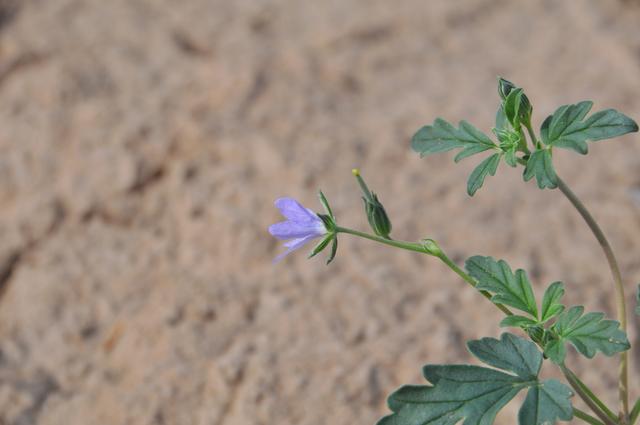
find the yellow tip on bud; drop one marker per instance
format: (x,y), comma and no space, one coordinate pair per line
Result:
(355,172)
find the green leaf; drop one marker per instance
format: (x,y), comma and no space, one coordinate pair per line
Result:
(568,129)
(475,394)
(443,137)
(501,119)
(487,167)
(544,404)
(638,301)
(551,305)
(510,353)
(517,321)
(512,289)
(512,107)
(541,166)
(588,333)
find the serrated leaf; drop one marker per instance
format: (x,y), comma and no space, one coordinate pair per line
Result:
(588,333)
(568,129)
(487,167)
(551,305)
(510,353)
(517,321)
(443,137)
(540,165)
(475,394)
(547,403)
(512,289)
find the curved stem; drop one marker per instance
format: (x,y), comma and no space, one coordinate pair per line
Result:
(623,383)
(453,266)
(430,247)
(581,387)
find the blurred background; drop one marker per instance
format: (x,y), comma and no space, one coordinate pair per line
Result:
(142,144)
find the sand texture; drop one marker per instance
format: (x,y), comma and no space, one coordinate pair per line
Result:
(143,142)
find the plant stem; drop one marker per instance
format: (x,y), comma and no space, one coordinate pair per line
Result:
(623,383)
(635,412)
(586,417)
(578,385)
(453,266)
(430,247)
(410,246)
(532,135)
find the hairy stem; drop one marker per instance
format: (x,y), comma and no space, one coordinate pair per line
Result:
(623,383)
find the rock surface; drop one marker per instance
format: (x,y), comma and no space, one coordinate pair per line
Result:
(143,142)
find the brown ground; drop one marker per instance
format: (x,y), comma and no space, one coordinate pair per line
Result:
(142,144)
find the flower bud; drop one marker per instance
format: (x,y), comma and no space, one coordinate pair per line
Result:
(525,109)
(504,87)
(376,214)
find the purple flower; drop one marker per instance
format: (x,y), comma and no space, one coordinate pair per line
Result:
(301,226)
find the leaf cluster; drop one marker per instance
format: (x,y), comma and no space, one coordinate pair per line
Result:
(567,128)
(553,326)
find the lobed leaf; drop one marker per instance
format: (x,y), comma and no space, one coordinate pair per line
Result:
(551,305)
(512,289)
(541,166)
(443,137)
(517,321)
(509,353)
(588,333)
(568,129)
(546,403)
(487,167)
(475,394)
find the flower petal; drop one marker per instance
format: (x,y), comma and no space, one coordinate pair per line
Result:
(294,244)
(294,211)
(291,230)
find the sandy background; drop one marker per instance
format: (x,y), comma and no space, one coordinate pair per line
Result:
(142,144)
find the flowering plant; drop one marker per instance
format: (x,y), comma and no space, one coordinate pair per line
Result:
(475,394)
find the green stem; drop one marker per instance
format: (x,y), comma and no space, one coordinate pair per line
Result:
(532,135)
(410,246)
(623,382)
(635,412)
(573,378)
(586,417)
(430,247)
(453,266)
